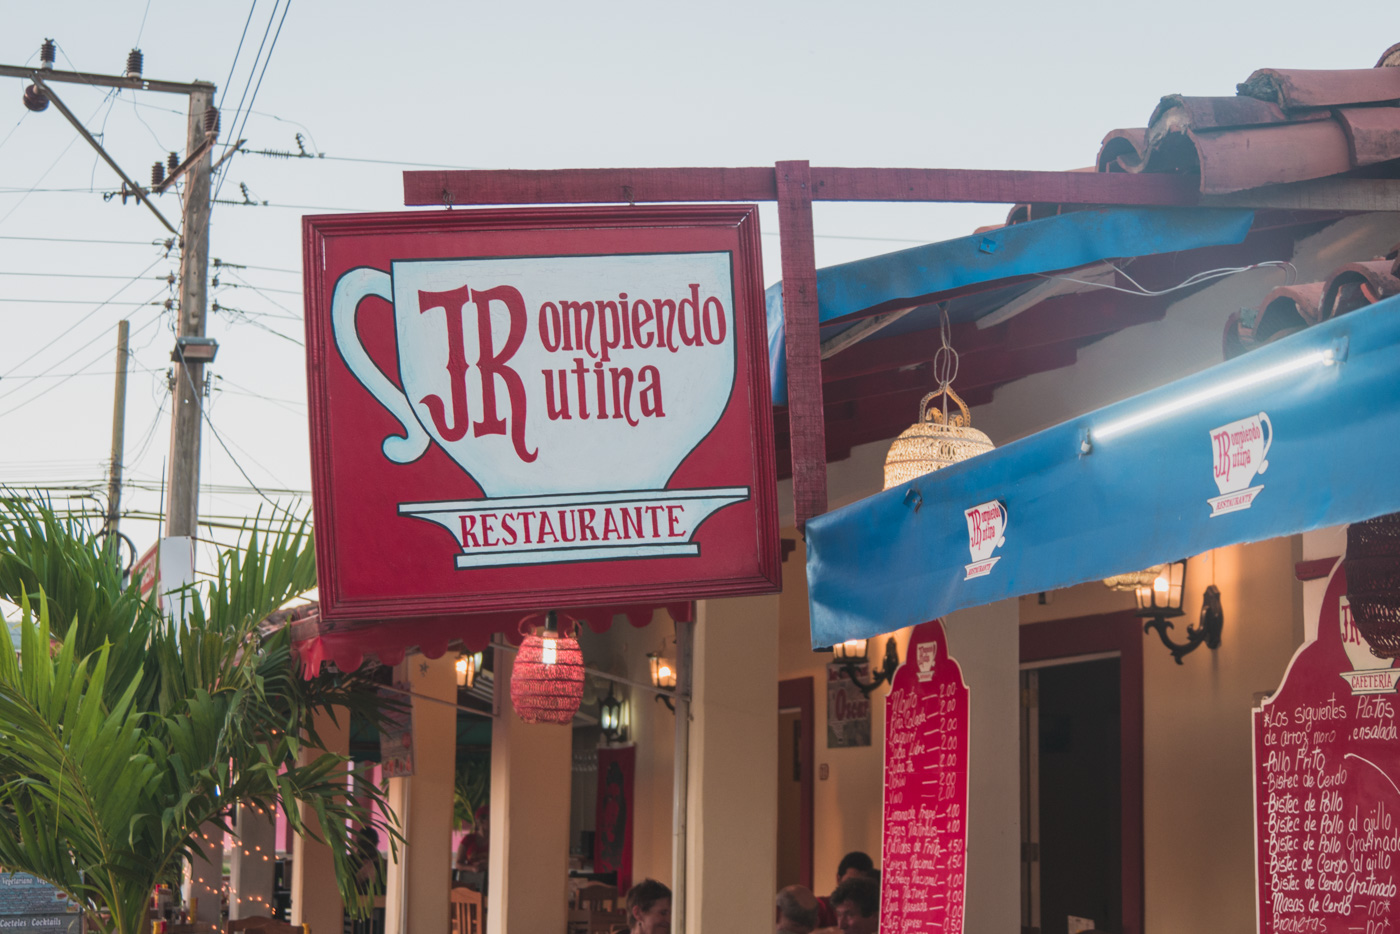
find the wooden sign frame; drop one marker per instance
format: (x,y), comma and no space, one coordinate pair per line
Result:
(597,470)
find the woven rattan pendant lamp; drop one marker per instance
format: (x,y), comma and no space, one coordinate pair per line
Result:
(937,439)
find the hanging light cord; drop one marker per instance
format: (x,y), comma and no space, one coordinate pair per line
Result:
(1291,273)
(945,360)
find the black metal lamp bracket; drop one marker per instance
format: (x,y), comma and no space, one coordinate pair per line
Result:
(884,676)
(1208,632)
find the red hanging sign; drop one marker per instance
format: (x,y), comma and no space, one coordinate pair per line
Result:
(1326,767)
(538,408)
(924,844)
(612,847)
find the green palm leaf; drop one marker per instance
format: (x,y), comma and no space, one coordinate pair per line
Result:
(124,736)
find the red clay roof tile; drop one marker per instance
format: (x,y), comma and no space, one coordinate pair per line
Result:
(1296,87)
(1373,132)
(1285,125)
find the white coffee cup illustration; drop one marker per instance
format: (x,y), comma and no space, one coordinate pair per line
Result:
(1241,449)
(986,529)
(480,379)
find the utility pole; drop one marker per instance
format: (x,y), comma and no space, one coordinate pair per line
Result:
(192,349)
(114,478)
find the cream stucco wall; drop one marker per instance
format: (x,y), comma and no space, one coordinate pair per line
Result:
(1198,819)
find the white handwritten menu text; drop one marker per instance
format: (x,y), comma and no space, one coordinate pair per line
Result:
(1326,798)
(924,848)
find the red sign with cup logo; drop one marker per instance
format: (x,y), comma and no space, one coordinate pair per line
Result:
(530,408)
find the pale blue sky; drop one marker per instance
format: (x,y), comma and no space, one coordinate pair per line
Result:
(524,85)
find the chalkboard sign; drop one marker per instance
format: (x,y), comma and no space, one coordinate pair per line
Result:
(1326,764)
(29,906)
(924,848)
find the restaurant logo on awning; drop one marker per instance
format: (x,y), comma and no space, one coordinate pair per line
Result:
(986,532)
(1241,449)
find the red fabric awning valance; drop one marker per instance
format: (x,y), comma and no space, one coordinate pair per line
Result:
(389,642)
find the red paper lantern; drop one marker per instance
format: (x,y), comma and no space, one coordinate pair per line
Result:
(546,684)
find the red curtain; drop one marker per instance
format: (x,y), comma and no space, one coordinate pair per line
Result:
(612,846)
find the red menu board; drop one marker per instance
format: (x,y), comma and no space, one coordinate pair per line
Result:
(924,846)
(1326,764)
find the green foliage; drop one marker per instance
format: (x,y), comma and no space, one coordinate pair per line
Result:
(123,732)
(472,790)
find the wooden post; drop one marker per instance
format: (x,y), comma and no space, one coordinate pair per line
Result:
(803,341)
(182,509)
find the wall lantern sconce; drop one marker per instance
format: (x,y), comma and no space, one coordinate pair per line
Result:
(468,664)
(610,717)
(1161,600)
(663,676)
(852,653)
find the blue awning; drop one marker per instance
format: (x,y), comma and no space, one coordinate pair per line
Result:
(1053,244)
(1301,434)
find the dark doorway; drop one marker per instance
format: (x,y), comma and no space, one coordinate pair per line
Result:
(796,749)
(1081,775)
(1074,750)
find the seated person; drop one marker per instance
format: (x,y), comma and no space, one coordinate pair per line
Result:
(649,908)
(852,865)
(797,910)
(857,905)
(474,851)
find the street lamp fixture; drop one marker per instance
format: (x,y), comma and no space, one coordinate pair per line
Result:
(853,653)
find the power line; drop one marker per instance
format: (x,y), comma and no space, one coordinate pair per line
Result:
(72,275)
(263,292)
(245,284)
(48,389)
(143,25)
(85,317)
(86,240)
(237,52)
(258,86)
(47,301)
(204,413)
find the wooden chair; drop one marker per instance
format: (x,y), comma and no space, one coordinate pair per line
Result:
(468,910)
(596,896)
(267,926)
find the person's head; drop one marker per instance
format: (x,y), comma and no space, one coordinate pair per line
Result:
(649,908)
(853,865)
(797,910)
(857,905)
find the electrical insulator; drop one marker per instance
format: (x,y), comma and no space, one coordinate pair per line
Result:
(211,120)
(172,162)
(46,53)
(157,175)
(134,62)
(34,99)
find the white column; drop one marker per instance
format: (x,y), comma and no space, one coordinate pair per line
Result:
(204,880)
(315,895)
(985,641)
(732,829)
(419,881)
(527,887)
(252,864)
